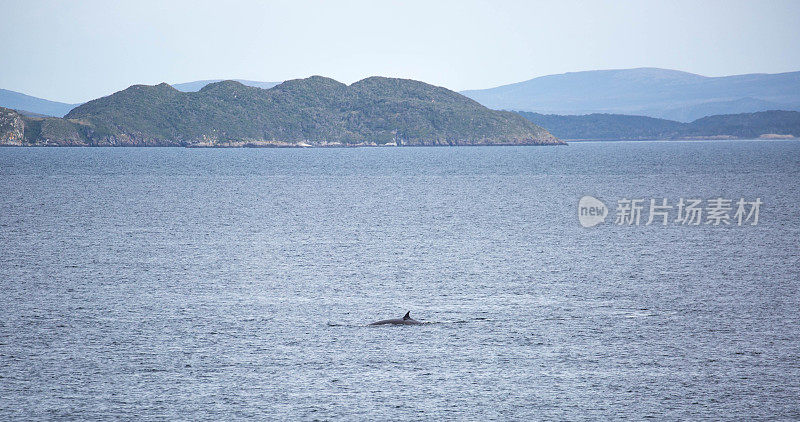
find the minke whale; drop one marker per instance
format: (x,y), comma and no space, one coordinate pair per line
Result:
(405,320)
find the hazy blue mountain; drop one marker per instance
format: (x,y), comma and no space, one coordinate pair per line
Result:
(623,127)
(198,85)
(660,93)
(33,105)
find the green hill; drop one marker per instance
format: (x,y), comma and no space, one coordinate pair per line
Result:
(747,125)
(315,111)
(623,127)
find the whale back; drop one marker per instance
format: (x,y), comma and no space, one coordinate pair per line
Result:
(406,320)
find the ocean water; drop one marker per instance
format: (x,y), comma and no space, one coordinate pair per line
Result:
(214,284)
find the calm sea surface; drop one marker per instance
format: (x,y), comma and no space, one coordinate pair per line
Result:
(163,284)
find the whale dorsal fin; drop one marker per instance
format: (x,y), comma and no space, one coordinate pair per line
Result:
(407,316)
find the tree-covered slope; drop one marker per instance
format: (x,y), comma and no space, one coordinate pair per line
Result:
(624,127)
(314,111)
(195,86)
(747,125)
(606,126)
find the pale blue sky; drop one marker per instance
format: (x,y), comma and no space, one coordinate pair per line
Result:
(74,51)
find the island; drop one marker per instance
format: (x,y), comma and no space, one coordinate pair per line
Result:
(310,112)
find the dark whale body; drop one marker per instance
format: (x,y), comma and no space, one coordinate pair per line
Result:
(406,320)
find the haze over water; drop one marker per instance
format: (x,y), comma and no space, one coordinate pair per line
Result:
(219,284)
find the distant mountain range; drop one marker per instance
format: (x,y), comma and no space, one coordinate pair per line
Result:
(660,93)
(764,124)
(315,111)
(33,106)
(645,103)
